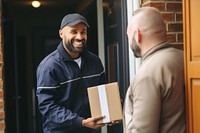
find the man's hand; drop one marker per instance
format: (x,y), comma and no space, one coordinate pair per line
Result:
(92,122)
(113,123)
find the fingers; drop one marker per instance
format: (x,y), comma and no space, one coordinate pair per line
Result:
(92,122)
(116,122)
(113,123)
(99,125)
(98,118)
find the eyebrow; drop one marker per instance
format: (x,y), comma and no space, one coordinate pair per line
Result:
(78,29)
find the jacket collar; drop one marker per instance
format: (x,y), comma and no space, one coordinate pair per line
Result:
(156,48)
(65,56)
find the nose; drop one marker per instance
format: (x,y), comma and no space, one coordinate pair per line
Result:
(79,36)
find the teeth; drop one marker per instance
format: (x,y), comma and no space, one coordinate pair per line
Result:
(78,43)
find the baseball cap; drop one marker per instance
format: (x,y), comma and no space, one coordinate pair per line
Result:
(73,19)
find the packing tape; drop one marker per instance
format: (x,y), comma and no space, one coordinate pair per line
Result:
(103,103)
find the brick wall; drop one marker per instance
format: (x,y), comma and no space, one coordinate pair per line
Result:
(2,113)
(172,14)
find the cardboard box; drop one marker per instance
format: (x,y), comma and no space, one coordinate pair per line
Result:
(105,100)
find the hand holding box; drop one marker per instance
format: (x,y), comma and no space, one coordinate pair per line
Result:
(105,100)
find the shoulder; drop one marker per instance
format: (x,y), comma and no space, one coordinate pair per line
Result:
(49,61)
(165,57)
(92,57)
(92,62)
(161,62)
(170,57)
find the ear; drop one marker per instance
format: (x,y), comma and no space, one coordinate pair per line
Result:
(137,36)
(61,33)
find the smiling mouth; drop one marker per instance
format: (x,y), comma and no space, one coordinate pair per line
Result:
(78,44)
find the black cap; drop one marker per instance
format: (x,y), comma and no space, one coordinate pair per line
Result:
(73,19)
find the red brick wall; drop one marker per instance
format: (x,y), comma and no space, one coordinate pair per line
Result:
(172,14)
(2,113)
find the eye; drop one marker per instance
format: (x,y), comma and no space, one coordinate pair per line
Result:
(73,32)
(84,32)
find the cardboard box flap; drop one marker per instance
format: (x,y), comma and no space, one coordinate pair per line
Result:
(113,98)
(94,99)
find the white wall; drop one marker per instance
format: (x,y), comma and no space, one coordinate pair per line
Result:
(134,63)
(101,49)
(100,26)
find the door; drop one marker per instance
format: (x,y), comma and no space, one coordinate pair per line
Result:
(192,63)
(116,48)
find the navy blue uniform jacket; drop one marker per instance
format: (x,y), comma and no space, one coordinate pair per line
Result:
(62,90)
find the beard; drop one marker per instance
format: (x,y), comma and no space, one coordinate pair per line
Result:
(135,48)
(69,45)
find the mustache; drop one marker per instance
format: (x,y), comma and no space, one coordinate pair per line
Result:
(78,40)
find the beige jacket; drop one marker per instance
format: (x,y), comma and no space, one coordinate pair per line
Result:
(155,101)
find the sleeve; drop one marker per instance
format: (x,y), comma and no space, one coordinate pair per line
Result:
(47,94)
(146,106)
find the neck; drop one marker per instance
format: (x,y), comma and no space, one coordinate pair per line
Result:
(148,47)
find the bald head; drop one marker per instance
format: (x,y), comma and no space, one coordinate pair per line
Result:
(148,20)
(147,27)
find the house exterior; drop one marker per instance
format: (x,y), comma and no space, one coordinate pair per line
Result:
(115,15)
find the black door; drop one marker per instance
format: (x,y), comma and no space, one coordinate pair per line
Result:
(116,48)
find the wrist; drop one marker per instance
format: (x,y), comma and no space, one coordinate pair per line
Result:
(79,121)
(84,123)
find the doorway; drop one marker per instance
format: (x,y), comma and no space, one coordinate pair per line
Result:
(29,35)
